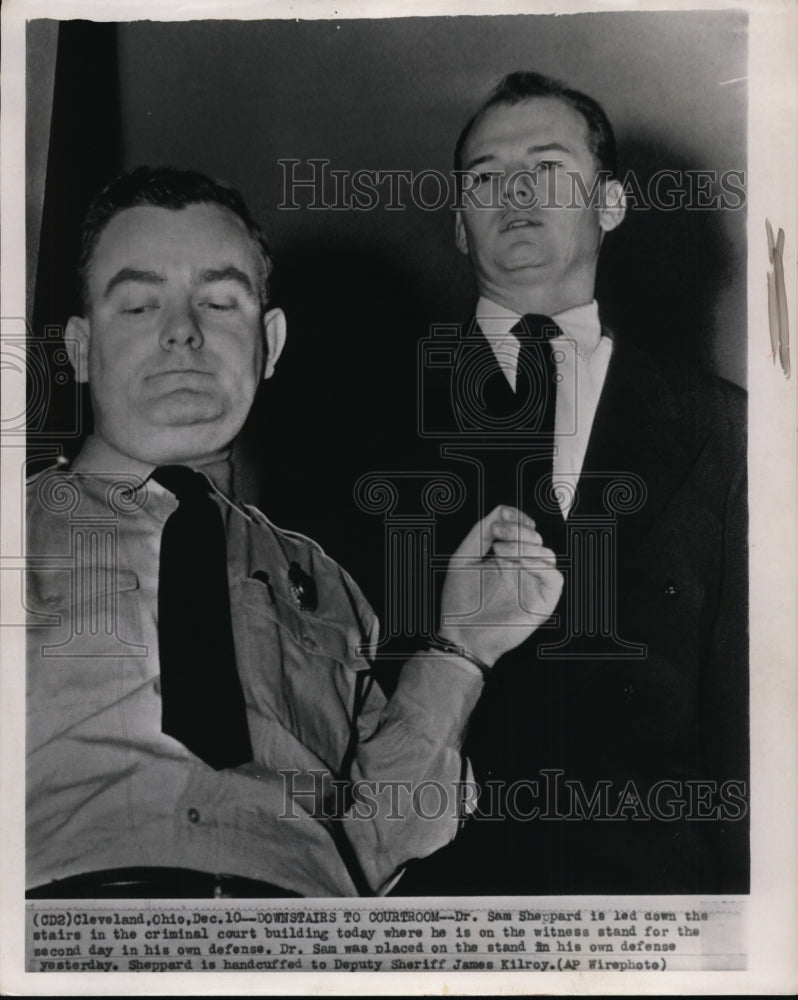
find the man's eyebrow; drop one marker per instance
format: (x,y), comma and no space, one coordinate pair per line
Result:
(133,274)
(547,147)
(229,273)
(550,147)
(479,160)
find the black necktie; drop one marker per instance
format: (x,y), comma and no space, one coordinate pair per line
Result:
(202,700)
(536,395)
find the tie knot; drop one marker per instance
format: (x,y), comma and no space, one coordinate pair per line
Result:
(536,326)
(185,483)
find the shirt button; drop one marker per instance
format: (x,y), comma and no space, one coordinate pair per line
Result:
(309,641)
(671,590)
(193,815)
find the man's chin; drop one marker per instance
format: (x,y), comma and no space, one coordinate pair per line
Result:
(185,432)
(524,258)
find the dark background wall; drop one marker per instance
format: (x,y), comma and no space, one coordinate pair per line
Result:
(360,289)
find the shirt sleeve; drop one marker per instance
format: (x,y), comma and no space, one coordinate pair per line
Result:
(389,786)
(409,787)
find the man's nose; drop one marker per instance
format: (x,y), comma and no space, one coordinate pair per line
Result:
(181,329)
(519,188)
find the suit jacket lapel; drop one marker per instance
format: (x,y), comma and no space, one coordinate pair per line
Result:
(641,436)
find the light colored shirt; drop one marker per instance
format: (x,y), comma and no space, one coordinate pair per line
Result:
(582,356)
(106,788)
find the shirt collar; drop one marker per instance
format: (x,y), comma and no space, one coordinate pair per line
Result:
(579,323)
(100,458)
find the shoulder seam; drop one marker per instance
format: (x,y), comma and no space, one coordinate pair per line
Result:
(285,532)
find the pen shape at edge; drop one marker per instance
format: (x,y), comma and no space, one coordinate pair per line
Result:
(772,318)
(781,305)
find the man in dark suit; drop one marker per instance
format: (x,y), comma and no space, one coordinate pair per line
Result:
(612,747)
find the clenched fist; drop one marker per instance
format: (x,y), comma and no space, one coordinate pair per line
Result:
(500,586)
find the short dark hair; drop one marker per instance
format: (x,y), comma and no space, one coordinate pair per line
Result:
(164,187)
(520,86)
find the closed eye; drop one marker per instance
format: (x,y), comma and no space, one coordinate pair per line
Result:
(218,305)
(140,310)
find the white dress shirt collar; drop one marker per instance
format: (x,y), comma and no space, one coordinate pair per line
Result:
(579,323)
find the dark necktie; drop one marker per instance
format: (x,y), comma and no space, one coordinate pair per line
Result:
(202,700)
(536,395)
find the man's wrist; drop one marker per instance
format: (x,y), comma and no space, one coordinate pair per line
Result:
(454,648)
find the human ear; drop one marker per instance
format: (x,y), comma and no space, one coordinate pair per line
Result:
(613,206)
(460,238)
(274,333)
(76,341)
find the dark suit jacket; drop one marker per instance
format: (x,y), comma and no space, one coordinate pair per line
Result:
(648,752)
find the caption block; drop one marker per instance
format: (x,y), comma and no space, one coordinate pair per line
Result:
(228,936)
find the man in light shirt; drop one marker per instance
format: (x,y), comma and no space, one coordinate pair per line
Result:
(613,745)
(202,715)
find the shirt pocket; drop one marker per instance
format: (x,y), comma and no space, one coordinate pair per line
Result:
(84,651)
(81,613)
(299,672)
